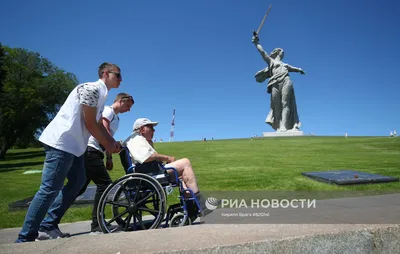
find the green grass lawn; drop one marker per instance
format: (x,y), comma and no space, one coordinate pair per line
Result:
(273,164)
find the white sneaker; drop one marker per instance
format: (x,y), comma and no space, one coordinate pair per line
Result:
(46,235)
(51,234)
(61,234)
(96,233)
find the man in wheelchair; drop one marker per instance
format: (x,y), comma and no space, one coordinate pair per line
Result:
(142,151)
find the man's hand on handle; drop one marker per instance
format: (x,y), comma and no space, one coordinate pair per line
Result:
(114,147)
(109,164)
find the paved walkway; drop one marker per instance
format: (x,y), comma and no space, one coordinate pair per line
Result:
(348,225)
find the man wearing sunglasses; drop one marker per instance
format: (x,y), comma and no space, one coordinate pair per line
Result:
(96,171)
(65,140)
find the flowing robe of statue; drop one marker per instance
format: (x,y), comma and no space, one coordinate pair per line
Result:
(283,114)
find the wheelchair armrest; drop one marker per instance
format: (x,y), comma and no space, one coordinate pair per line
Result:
(175,176)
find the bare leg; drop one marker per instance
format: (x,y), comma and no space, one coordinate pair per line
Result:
(185,170)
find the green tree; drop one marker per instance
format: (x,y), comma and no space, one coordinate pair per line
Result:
(2,54)
(33,91)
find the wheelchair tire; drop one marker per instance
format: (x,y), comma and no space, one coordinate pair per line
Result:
(134,202)
(180,220)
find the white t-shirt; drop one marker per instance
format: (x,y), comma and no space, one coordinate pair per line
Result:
(113,118)
(67,131)
(139,148)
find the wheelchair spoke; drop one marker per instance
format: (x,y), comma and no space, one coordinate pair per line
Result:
(127,221)
(117,217)
(139,218)
(117,204)
(147,197)
(137,190)
(146,209)
(126,193)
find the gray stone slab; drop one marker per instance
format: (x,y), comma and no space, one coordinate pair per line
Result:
(87,198)
(345,177)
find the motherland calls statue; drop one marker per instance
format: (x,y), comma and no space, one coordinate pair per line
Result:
(283,113)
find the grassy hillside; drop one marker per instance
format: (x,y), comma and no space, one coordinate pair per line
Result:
(242,164)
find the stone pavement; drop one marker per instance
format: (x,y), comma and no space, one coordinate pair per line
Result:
(347,225)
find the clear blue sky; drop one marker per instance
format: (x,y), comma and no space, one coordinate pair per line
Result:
(197,56)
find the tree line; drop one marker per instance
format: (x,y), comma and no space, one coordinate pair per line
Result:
(32,90)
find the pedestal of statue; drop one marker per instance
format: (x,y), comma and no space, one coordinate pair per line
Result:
(289,133)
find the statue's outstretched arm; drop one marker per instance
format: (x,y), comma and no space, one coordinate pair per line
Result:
(260,49)
(295,69)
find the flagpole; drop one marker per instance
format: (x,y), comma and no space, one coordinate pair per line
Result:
(171,137)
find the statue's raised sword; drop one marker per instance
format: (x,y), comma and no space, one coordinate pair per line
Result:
(255,33)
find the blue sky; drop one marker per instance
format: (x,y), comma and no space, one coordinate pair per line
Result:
(197,56)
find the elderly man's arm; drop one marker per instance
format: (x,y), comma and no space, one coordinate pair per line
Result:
(160,157)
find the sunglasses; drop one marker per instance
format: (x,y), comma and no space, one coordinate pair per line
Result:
(128,97)
(117,74)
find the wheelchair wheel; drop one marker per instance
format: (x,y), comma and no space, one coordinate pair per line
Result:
(173,210)
(180,220)
(133,202)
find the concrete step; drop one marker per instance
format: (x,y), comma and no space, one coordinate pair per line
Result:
(271,238)
(337,226)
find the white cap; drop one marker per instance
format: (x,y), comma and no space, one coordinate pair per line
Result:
(142,122)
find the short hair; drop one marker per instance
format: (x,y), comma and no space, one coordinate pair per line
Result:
(122,95)
(107,67)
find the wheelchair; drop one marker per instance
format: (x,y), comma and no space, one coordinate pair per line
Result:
(138,200)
